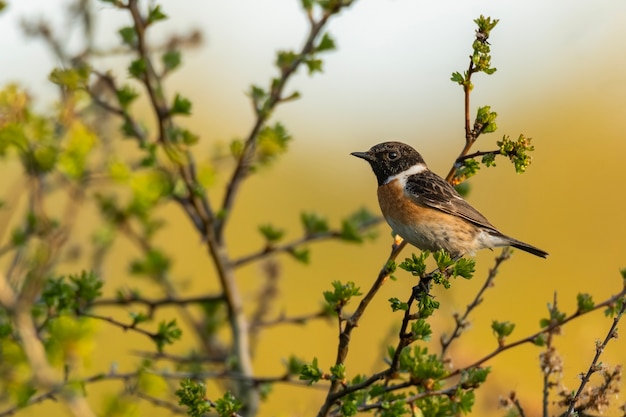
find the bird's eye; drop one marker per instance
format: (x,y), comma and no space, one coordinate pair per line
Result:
(393,155)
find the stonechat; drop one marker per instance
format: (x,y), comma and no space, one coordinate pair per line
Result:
(425,210)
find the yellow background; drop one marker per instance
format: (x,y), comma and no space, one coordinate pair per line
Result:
(561,67)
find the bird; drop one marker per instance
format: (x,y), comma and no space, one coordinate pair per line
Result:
(425,210)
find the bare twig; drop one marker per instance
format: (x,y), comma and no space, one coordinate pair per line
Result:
(156,303)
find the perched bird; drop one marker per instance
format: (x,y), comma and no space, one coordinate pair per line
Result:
(425,210)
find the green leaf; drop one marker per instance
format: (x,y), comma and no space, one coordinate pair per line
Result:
(486,120)
(517,151)
(457,78)
(155,264)
(502,329)
(125,96)
(301,254)
(167,333)
(311,372)
(396,304)
(270,233)
(228,405)
(171,60)
(138,318)
(285,59)
(474,377)
(338,372)
(294,365)
(155,14)
(313,224)
(341,294)
(128,35)
(180,105)
(353,229)
(271,143)
(314,65)
(137,68)
(464,267)
(326,44)
(489,160)
(421,330)
(72,78)
(585,303)
(192,394)
(416,265)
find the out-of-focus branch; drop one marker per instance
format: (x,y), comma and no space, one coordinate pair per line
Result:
(244,162)
(290,246)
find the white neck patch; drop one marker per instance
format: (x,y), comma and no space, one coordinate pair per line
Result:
(402,177)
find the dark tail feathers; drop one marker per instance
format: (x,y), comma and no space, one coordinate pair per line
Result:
(529,248)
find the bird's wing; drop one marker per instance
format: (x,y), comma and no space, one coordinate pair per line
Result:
(429,189)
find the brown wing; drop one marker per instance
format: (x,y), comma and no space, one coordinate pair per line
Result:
(429,189)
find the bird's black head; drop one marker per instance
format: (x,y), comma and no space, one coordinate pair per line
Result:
(390,158)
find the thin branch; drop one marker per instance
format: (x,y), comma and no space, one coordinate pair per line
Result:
(262,115)
(123,326)
(461,322)
(159,302)
(192,358)
(297,320)
(593,367)
(476,154)
(171,407)
(290,246)
(530,339)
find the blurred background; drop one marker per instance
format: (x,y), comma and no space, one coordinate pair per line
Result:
(561,66)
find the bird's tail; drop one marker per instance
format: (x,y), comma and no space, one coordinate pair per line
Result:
(528,248)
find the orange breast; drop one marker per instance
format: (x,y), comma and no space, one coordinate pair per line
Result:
(425,227)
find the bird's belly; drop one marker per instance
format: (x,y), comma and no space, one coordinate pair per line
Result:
(424,227)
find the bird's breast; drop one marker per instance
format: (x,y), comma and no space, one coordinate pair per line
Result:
(422,226)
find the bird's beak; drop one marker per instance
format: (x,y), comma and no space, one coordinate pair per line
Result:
(364,155)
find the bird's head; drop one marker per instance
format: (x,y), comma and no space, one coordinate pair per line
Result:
(388,159)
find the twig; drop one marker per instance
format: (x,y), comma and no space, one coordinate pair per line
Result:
(159,302)
(593,367)
(290,246)
(460,322)
(191,359)
(297,320)
(476,154)
(123,326)
(533,337)
(172,408)
(275,97)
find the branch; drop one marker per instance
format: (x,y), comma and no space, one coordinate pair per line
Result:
(297,320)
(476,154)
(594,367)
(290,246)
(461,322)
(159,302)
(123,326)
(530,339)
(262,115)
